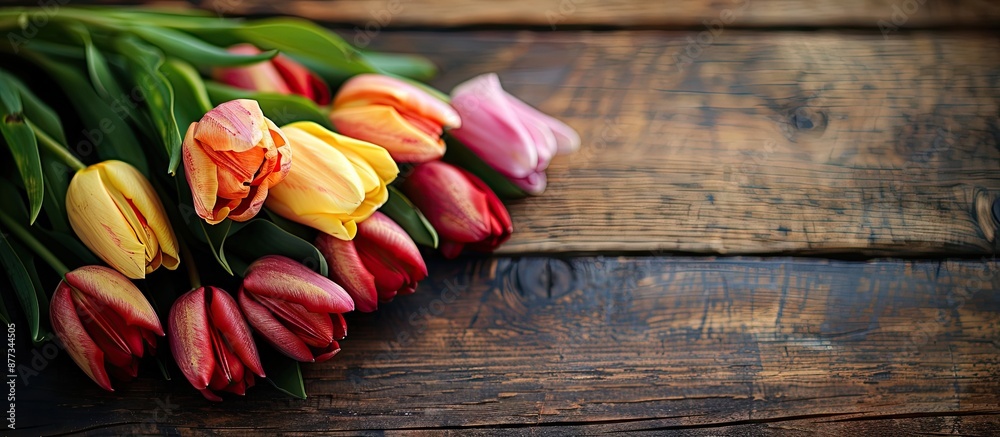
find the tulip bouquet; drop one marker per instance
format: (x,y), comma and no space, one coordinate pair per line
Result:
(288,175)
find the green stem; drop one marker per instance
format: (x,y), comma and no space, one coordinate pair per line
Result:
(57,149)
(33,244)
(189,264)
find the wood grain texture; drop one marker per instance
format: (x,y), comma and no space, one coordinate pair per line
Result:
(625,13)
(764,142)
(734,346)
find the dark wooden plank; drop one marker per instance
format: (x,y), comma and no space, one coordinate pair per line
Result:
(591,345)
(767,142)
(378,14)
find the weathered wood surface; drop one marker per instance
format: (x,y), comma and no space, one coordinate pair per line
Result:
(734,346)
(764,142)
(378,14)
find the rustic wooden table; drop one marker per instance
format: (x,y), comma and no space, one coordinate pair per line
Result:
(785,224)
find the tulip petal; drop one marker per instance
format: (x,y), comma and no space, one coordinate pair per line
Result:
(236,125)
(273,331)
(567,139)
(67,325)
(492,128)
(141,197)
(347,269)
(201,174)
(111,289)
(328,352)
(301,81)
(372,158)
(386,127)
(281,278)
(313,328)
(453,205)
(365,89)
(262,76)
(389,254)
(96,219)
(321,176)
(190,340)
(226,317)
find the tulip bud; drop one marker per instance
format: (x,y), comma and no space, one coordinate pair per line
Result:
(279,75)
(463,210)
(512,137)
(381,262)
(295,309)
(404,119)
(336,182)
(212,344)
(117,214)
(231,158)
(103,321)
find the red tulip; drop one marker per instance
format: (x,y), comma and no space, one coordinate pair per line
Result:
(463,210)
(279,75)
(295,309)
(381,262)
(103,320)
(212,344)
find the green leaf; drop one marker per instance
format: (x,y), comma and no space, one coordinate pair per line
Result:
(194,50)
(106,131)
(282,372)
(100,73)
(191,100)
(318,48)
(405,65)
(57,176)
(297,229)
(281,109)
(261,237)
(41,115)
(216,237)
(21,141)
(144,66)
(40,296)
(407,216)
(458,154)
(24,289)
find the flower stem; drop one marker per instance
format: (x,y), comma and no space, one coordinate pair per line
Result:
(189,264)
(33,244)
(57,149)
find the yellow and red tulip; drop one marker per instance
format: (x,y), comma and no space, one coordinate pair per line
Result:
(404,119)
(515,139)
(295,309)
(336,182)
(279,75)
(381,262)
(463,210)
(103,321)
(212,344)
(232,157)
(117,214)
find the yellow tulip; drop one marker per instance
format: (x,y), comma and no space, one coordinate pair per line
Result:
(116,213)
(335,183)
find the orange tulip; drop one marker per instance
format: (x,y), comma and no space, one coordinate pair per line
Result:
(103,321)
(404,119)
(231,158)
(279,75)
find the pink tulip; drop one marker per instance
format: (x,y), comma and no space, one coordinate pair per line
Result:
(103,321)
(279,75)
(295,309)
(212,344)
(463,210)
(512,137)
(381,262)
